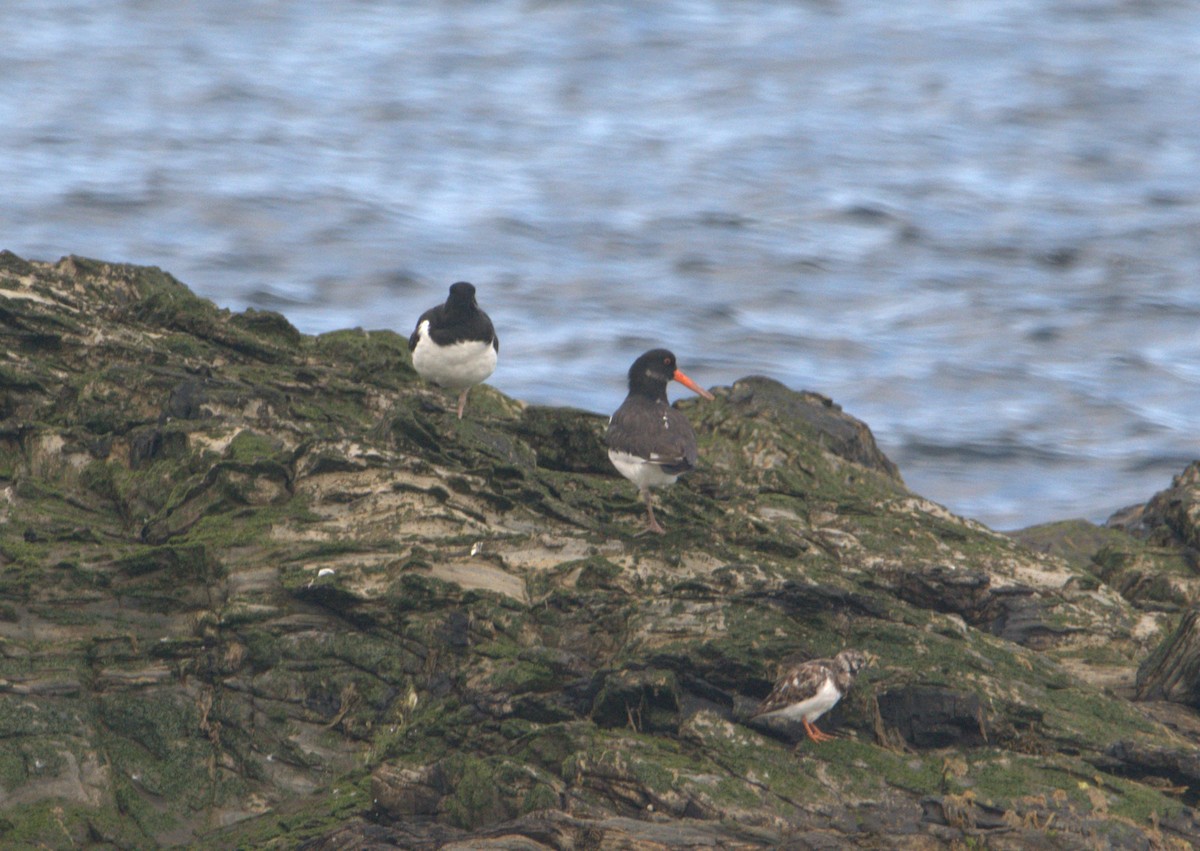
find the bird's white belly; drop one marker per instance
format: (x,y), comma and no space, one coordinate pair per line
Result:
(814,707)
(456,366)
(641,472)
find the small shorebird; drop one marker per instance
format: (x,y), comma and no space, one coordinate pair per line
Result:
(649,442)
(807,691)
(454,344)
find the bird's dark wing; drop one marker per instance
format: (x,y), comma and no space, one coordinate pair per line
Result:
(461,329)
(490,331)
(431,314)
(653,432)
(797,683)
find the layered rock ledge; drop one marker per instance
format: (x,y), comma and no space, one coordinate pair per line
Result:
(263,589)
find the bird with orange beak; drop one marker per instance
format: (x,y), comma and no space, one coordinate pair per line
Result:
(649,442)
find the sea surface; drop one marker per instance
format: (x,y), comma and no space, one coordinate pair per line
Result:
(975,225)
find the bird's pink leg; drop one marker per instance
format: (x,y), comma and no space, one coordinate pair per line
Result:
(652,525)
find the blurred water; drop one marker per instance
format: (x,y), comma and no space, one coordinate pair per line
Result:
(974,225)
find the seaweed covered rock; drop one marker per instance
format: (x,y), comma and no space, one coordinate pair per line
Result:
(263,589)
(1171,517)
(1172,671)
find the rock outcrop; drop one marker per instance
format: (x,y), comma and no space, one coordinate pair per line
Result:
(262,589)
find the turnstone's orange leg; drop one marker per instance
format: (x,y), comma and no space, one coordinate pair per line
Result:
(815,734)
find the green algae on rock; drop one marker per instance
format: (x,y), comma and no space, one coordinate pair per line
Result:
(262,589)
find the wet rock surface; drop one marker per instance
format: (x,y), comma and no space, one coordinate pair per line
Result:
(261,589)
(934,717)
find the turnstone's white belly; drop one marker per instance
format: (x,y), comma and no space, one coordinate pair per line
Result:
(813,707)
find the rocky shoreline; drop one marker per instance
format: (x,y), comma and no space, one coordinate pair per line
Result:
(263,589)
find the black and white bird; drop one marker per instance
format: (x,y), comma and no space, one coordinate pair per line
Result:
(649,442)
(454,344)
(807,691)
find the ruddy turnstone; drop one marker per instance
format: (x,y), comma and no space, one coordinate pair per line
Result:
(808,690)
(454,344)
(649,442)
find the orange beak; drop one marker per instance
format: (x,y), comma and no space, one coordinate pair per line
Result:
(691,385)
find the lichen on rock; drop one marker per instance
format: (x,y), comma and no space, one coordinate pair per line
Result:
(263,589)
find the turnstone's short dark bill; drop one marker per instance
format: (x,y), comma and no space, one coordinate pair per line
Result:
(807,691)
(649,442)
(454,344)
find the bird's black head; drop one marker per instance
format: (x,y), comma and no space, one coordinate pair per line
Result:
(652,371)
(462,297)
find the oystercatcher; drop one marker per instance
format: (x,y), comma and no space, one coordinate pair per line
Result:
(454,344)
(807,691)
(649,442)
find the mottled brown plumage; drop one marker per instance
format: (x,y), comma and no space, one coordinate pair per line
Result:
(807,691)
